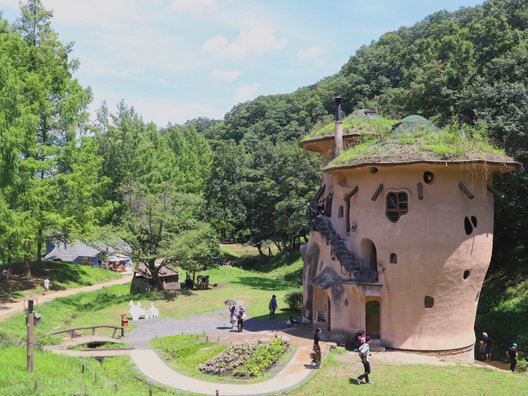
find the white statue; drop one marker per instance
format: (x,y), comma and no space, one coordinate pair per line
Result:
(136,310)
(153,312)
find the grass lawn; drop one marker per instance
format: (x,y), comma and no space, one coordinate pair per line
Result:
(62,276)
(411,380)
(63,375)
(251,288)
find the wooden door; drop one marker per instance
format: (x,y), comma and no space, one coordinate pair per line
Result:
(373,319)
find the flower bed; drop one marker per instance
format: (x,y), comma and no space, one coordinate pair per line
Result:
(245,359)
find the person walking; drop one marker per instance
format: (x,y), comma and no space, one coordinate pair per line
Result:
(46,285)
(487,343)
(317,348)
(240,319)
(364,353)
(512,354)
(272,306)
(232,316)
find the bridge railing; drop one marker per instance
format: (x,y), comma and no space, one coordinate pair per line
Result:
(93,328)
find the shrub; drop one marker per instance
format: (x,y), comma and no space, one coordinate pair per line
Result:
(265,356)
(245,360)
(294,300)
(234,356)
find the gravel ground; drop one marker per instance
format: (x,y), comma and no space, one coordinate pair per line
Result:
(213,323)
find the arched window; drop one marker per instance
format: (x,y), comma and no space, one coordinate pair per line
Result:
(428,301)
(397,205)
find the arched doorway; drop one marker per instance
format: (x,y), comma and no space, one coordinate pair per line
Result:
(369,252)
(372,318)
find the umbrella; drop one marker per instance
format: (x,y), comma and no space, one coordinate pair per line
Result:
(230,303)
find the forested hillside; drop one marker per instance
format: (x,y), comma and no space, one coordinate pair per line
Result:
(176,191)
(472,62)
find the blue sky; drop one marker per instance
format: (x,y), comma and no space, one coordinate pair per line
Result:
(174,60)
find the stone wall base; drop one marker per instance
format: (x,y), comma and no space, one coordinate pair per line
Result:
(460,355)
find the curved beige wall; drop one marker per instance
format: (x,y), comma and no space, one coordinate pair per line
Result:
(433,252)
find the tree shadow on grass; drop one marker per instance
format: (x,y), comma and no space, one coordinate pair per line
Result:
(266,264)
(256,282)
(263,323)
(58,272)
(294,277)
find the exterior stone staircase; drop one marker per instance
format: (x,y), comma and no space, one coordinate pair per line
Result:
(350,262)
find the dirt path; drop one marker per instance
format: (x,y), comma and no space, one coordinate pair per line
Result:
(8,309)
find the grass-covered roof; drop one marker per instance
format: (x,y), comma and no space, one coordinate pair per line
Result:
(416,139)
(359,122)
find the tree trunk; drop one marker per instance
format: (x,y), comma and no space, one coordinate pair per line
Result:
(27,262)
(270,253)
(154,271)
(277,243)
(27,267)
(39,247)
(259,248)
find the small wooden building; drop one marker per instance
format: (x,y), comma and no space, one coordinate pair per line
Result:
(142,280)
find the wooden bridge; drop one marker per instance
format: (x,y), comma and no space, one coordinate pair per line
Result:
(93,328)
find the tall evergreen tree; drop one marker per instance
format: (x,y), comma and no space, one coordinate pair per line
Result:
(58,104)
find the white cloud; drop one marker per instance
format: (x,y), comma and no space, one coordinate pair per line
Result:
(246,92)
(13,4)
(310,54)
(192,5)
(161,110)
(225,75)
(95,12)
(257,39)
(215,44)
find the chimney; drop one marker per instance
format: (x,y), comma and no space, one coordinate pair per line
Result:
(338,134)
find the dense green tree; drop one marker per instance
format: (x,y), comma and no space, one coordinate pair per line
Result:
(195,247)
(162,229)
(59,104)
(222,192)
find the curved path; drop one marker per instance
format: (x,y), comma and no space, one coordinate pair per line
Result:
(295,372)
(12,308)
(216,327)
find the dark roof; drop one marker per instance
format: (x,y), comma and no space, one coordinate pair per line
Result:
(69,253)
(163,272)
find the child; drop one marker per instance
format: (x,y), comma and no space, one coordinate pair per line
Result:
(364,353)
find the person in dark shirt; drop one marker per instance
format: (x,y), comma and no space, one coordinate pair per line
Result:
(488,342)
(511,354)
(317,348)
(272,306)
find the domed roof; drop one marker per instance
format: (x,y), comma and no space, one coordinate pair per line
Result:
(415,123)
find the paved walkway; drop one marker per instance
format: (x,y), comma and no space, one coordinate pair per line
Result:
(295,372)
(215,325)
(8,309)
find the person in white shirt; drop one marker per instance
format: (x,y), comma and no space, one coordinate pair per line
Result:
(364,353)
(46,285)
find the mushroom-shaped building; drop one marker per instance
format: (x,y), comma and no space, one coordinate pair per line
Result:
(402,232)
